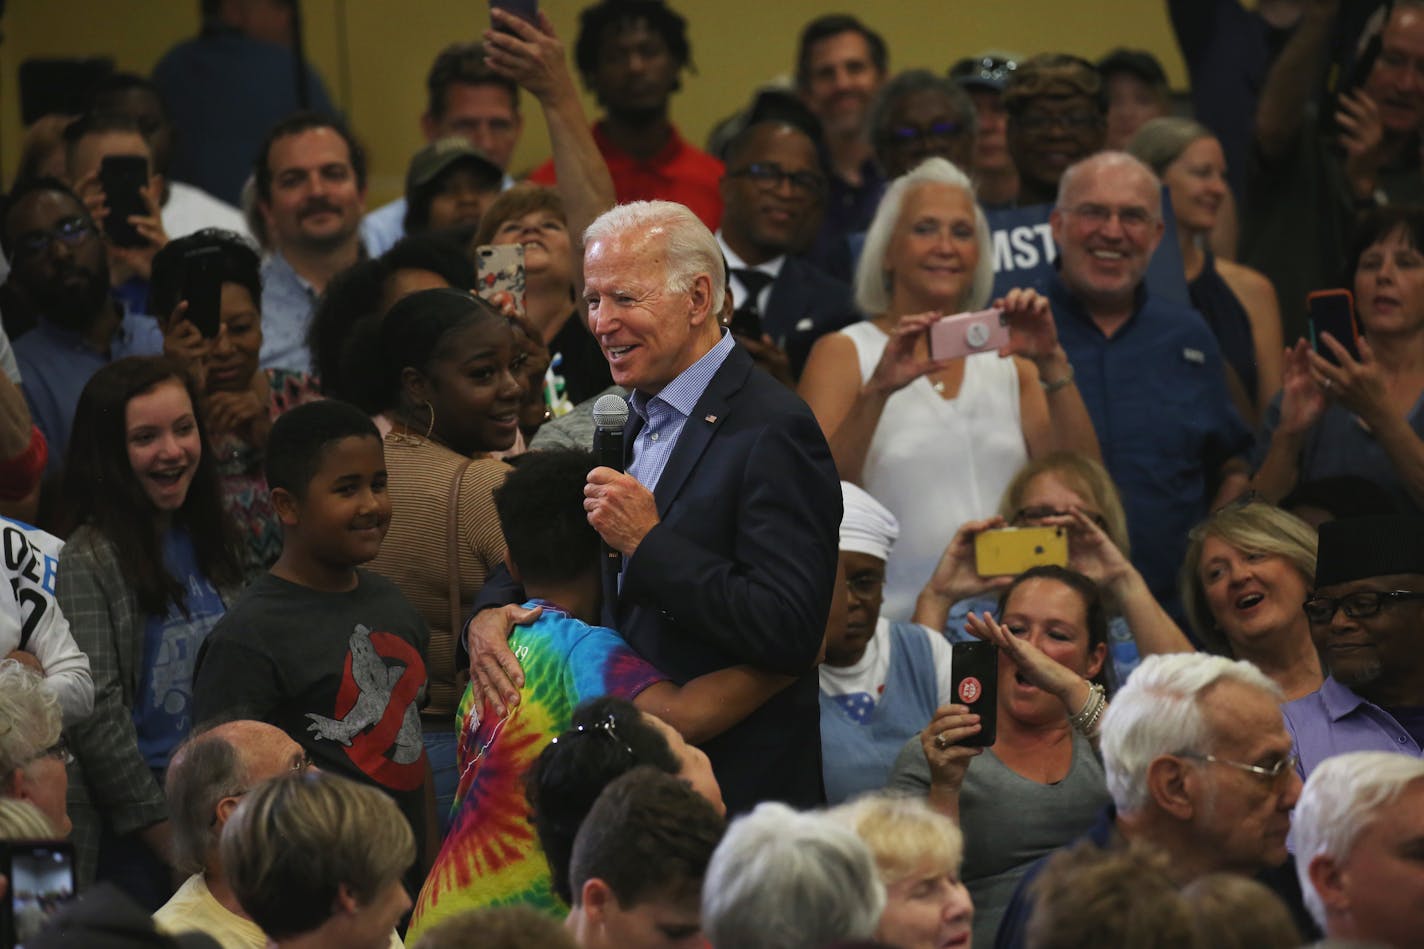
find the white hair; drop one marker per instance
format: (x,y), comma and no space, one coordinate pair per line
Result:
(871,293)
(690,248)
(781,879)
(29,717)
(1344,796)
(1111,161)
(21,820)
(1159,712)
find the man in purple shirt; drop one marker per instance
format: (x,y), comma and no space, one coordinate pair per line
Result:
(1367,619)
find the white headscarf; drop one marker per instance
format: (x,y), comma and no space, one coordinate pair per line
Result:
(867,527)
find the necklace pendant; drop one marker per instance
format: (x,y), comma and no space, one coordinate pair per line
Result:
(938,387)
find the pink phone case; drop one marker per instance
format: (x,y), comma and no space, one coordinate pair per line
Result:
(983,331)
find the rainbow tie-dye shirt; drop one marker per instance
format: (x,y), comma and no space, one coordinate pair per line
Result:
(491,855)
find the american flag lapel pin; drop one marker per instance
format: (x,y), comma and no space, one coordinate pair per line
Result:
(710,420)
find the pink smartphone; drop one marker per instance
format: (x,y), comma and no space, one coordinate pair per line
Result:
(964,334)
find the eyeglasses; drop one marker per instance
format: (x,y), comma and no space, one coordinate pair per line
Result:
(58,751)
(769,176)
(606,726)
(1271,774)
(1134,219)
(70,232)
(1321,609)
(934,132)
(865,586)
(1043,512)
(994,68)
(1074,122)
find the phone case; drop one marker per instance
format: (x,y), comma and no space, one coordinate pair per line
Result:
(501,275)
(1333,312)
(1010,551)
(202,289)
(123,178)
(975,681)
(964,334)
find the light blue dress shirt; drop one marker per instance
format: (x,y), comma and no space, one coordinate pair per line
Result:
(665,414)
(287,305)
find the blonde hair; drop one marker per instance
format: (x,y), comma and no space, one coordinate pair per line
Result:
(1255,527)
(1083,475)
(21,820)
(903,834)
(295,840)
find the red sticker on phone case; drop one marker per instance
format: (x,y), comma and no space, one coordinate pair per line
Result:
(970,690)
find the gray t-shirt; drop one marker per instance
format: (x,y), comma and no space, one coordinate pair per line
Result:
(1009,821)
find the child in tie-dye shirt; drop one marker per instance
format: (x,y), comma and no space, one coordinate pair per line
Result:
(491,855)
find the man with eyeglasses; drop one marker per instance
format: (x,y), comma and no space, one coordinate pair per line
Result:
(1057,116)
(1149,370)
(59,267)
(207,777)
(1366,617)
(1199,765)
(772,196)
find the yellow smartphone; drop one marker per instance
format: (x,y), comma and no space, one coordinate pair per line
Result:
(1010,551)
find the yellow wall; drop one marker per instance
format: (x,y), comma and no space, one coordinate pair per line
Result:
(377,72)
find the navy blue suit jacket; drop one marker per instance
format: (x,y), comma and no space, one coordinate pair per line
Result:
(805,304)
(740,570)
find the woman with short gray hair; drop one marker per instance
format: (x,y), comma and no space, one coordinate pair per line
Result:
(32,755)
(781,879)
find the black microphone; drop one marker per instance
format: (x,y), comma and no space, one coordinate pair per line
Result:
(610,414)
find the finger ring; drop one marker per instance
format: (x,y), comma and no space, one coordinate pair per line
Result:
(941,742)
(1327,383)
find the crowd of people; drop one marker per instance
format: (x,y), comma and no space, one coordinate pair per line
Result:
(602,558)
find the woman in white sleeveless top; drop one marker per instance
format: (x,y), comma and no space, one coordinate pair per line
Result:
(936,441)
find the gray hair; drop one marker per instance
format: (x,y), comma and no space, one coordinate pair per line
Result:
(1159,712)
(781,879)
(1120,161)
(908,83)
(690,249)
(205,769)
(30,719)
(1344,796)
(871,293)
(1160,142)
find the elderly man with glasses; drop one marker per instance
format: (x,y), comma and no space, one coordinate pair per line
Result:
(1367,620)
(1200,766)
(209,775)
(1149,370)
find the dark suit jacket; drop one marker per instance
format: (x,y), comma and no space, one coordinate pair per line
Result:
(805,304)
(740,570)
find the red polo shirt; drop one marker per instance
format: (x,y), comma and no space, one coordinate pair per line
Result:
(679,172)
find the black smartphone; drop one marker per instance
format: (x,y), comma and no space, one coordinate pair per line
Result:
(1333,312)
(202,288)
(527,10)
(41,875)
(123,178)
(976,684)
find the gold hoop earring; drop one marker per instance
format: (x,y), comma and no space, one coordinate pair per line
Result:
(431,427)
